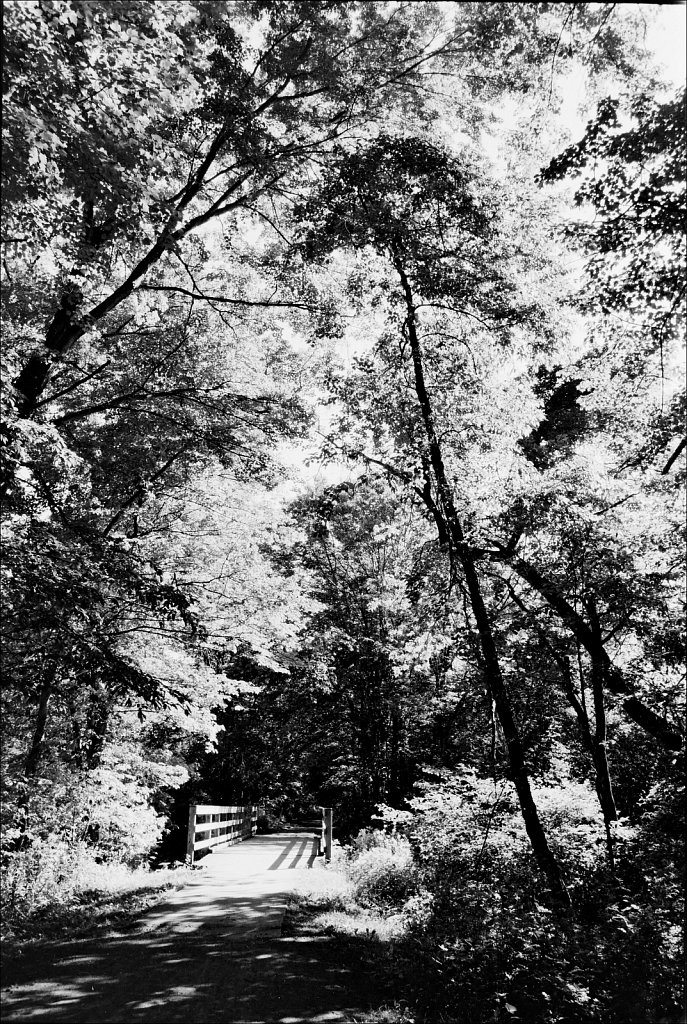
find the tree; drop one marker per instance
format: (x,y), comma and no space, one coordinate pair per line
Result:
(354,550)
(632,179)
(223,132)
(424,214)
(167,337)
(130,130)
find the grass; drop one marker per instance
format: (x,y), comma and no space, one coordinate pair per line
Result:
(326,898)
(105,896)
(324,904)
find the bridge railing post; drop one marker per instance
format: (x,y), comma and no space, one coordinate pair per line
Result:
(191,835)
(328,820)
(325,836)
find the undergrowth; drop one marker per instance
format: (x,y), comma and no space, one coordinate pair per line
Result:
(50,891)
(452,913)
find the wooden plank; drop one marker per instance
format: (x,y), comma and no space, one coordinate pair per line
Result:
(208,833)
(218,808)
(229,839)
(328,821)
(216,819)
(218,824)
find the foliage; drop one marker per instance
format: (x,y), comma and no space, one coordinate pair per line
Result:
(481,938)
(633,188)
(53,892)
(381,869)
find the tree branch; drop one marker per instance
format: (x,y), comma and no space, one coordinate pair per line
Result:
(676,454)
(223,298)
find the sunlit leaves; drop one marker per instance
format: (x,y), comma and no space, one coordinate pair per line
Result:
(633,183)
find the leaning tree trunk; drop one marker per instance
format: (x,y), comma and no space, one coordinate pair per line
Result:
(35,750)
(492,668)
(593,743)
(603,775)
(591,640)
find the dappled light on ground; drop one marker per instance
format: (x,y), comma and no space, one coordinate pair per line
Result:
(200,979)
(212,951)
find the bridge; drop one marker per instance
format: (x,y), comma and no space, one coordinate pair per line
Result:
(214,825)
(239,889)
(243,885)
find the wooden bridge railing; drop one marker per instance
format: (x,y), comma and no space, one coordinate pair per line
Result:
(212,824)
(325,837)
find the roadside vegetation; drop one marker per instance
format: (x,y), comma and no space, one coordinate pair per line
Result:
(65,894)
(448,913)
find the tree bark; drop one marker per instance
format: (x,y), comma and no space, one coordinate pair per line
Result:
(492,668)
(591,640)
(595,744)
(604,786)
(36,748)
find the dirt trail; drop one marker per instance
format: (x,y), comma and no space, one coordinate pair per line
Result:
(212,952)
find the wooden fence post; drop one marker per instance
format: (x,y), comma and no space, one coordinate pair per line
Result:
(327,834)
(191,835)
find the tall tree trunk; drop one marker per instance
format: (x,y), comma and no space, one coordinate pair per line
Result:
(492,668)
(595,744)
(501,698)
(603,775)
(36,748)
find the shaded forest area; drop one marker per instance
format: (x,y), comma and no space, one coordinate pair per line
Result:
(343,463)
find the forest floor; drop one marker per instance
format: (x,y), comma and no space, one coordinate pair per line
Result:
(222,948)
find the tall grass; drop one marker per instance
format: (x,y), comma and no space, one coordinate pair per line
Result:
(50,878)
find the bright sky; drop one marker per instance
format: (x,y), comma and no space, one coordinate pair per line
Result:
(667,37)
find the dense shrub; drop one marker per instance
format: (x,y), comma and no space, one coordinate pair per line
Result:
(382,869)
(482,941)
(269,822)
(45,872)
(63,833)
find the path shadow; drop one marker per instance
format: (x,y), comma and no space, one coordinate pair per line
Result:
(200,979)
(296,850)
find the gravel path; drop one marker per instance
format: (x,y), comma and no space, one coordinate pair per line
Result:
(211,952)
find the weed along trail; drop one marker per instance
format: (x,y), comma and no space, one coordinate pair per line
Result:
(211,952)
